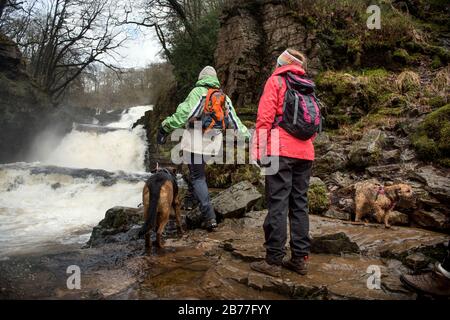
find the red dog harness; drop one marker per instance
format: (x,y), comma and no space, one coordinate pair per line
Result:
(382,192)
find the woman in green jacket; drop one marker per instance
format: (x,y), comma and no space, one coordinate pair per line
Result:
(196,146)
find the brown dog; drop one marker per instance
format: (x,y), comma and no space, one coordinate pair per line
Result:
(160,198)
(373,198)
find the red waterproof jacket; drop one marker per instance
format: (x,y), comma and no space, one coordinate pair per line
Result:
(269,109)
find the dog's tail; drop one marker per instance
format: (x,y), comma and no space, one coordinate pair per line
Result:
(152,208)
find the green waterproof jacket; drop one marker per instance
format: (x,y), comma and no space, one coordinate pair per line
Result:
(192,107)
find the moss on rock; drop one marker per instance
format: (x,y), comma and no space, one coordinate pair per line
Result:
(432,138)
(402,56)
(348,97)
(318,201)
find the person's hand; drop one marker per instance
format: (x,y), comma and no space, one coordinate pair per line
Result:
(264,162)
(162,136)
(260,164)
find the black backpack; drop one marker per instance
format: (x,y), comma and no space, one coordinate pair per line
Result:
(301,109)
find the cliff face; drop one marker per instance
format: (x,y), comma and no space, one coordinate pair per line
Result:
(333,35)
(251,38)
(23,105)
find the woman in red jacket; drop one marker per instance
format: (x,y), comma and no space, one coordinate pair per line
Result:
(286,189)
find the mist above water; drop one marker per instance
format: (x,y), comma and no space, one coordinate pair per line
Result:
(122,149)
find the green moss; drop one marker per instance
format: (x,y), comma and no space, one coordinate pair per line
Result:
(394,100)
(402,56)
(426,147)
(432,138)
(247,110)
(219,176)
(318,201)
(392,111)
(380,72)
(336,121)
(246,172)
(436,63)
(436,102)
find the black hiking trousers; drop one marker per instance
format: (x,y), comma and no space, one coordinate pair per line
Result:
(286,192)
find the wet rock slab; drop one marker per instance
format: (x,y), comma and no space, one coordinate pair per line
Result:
(375,240)
(437,182)
(203,265)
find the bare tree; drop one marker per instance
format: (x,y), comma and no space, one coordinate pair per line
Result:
(9,4)
(169,16)
(62,38)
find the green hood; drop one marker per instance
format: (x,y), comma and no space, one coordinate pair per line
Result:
(209,82)
(192,104)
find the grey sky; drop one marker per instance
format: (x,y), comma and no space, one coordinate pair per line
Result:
(141,48)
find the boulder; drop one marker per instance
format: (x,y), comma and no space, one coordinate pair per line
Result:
(433,220)
(322,143)
(236,200)
(391,156)
(408,155)
(233,202)
(367,151)
(417,261)
(337,214)
(386,171)
(339,179)
(343,202)
(113,228)
(437,182)
(334,244)
(399,219)
(330,162)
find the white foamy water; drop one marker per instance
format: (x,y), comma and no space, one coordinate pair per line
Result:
(43,206)
(130,116)
(116,150)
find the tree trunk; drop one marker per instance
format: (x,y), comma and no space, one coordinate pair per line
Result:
(2,7)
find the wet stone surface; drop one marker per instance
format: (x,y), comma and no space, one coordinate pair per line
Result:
(203,265)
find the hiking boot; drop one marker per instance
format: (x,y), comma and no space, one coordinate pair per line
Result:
(433,283)
(298,265)
(210,225)
(266,268)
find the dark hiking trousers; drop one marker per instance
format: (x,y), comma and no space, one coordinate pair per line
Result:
(286,191)
(200,187)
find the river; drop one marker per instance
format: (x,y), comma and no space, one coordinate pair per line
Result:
(58,197)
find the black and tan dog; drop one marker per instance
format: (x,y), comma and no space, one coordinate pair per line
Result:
(160,198)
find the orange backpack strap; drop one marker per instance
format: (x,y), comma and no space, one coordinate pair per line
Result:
(208,99)
(211,105)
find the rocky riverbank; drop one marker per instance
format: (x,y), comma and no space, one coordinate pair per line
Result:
(113,265)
